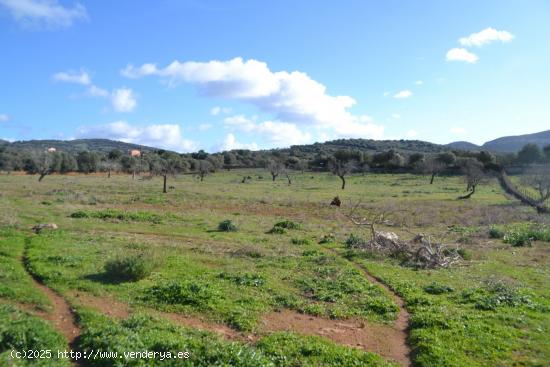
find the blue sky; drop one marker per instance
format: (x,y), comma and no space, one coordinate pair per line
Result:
(214,75)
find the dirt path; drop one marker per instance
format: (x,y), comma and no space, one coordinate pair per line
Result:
(389,341)
(61,316)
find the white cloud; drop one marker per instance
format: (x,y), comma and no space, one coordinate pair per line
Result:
(81,77)
(461,54)
(395,116)
(123,100)
(50,13)
(292,97)
(219,110)
(4,118)
(230,143)
(403,94)
(386,93)
(280,134)
(166,136)
(458,130)
(486,36)
(411,134)
(419,82)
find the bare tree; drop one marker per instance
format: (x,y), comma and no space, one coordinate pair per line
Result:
(204,168)
(341,168)
(431,166)
(275,168)
(43,163)
(473,176)
(538,178)
(167,164)
(109,166)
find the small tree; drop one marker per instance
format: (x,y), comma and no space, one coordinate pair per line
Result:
(530,153)
(166,164)
(431,166)
(275,168)
(538,178)
(341,164)
(204,168)
(42,163)
(473,176)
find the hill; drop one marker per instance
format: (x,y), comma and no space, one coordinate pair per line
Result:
(371,146)
(77,145)
(463,145)
(515,143)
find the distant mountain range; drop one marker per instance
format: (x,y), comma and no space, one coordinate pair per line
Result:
(77,145)
(507,144)
(502,145)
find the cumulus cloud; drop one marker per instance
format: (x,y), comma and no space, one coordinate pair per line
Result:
(80,77)
(4,118)
(291,97)
(275,133)
(230,143)
(123,100)
(33,13)
(204,127)
(403,94)
(166,136)
(458,130)
(486,36)
(461,54)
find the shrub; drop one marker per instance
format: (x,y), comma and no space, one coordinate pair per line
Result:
(517,238)
(227,226)
(327,238)
(277,230)
(436,288)
(183,293)
(496,232)
(131,268)
(495,294)
(288,224)
(301,241)
(354,241)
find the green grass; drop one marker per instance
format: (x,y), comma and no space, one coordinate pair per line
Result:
(491,310)
(28,334)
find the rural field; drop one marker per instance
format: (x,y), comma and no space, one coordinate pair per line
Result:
(263,273)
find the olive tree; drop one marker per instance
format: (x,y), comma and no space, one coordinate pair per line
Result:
(341,164)
(538,178)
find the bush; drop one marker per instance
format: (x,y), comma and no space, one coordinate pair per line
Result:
(495,294)
(227,226)
(131,268)
(301,241)
(327,238)
(182,293)
(517,238)
(277,230)
(354,241)
(496,232)
(288,224)
(436,288)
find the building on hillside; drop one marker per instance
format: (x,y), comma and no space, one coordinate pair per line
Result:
(51,150)
(135,153)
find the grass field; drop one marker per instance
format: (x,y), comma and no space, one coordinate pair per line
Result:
(217,293)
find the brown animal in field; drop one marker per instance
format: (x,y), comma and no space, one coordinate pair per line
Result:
(39,227)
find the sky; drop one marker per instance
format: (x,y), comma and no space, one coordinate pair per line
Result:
(218,75)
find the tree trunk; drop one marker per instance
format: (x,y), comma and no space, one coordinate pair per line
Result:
(164,190)
(273,176)
(109,173)
(133,175)
(469,195)
(432,179)
(343,182)
(42,175)
(289,179)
